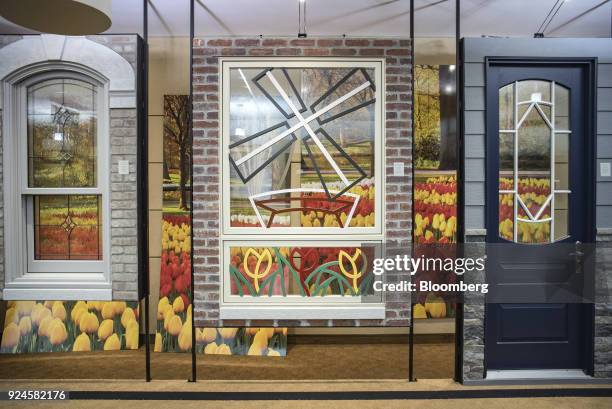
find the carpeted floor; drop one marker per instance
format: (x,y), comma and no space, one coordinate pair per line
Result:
(304,361)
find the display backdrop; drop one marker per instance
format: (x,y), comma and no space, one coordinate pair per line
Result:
(63,326)
(435,188)
(174,309)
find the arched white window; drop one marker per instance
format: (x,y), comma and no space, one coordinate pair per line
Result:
(56,185)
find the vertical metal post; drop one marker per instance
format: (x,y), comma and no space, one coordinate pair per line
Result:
(460,188)
(193,329)
(144,157)
(411,377)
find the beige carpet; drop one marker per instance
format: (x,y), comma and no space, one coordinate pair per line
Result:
(303,362)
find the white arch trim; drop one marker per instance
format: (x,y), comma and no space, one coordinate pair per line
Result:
(31,50)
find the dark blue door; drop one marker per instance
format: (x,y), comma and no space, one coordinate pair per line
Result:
(539,214)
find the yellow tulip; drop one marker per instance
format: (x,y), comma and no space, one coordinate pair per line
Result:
(210,348)
(419,311)
(24,307)
(252,330)
(11,316)
(131,335)
(76,313)
(80,304)
(88,323)
(119,306)
(108,311)
(174,325)
(273,352)
(161,307)
(112,343)
(39,312)
(255,350)
(43,327)
(106,329)
(228,333)
(57,332)
(184,338)
(167,316)
(81,343)
(223,349)
(209,335)
(260,341)
(436,308)
(25,325)
(158,343)
(127,317)
(178,305)
(59,311)
(10,337)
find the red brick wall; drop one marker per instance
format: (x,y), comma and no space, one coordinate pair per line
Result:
(206,149)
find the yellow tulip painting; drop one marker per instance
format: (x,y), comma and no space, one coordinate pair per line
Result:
(242,341)
(62,326)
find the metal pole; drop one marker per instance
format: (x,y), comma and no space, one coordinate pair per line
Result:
(411,377)
(193,329)
(144,157)
(460,188)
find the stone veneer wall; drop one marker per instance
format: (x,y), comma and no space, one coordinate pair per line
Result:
(123,139)
(206,148)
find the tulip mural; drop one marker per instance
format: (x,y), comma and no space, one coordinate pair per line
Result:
(435,189)
(242,341)
(174,309)
(62,326)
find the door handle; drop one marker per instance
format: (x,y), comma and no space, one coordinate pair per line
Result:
(578,255)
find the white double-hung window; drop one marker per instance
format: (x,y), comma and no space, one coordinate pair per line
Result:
(56,186)
(303,192)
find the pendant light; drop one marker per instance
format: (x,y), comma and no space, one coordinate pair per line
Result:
(67,17)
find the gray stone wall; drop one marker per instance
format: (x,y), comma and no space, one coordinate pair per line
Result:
(206,148)
(123,146)
(124,212)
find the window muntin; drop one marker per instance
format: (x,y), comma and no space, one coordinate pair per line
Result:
(534,162)
(301,143)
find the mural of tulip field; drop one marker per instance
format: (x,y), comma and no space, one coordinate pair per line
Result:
(242,341)
(435,189)
(305,271)
(63,326)
(174,309)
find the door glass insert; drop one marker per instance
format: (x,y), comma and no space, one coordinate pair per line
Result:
(533,162)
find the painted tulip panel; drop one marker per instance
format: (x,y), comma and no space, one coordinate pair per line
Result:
(242,341)
(62,326)
(300,271)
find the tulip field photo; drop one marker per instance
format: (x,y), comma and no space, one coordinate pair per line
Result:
(64,326)
(242,341)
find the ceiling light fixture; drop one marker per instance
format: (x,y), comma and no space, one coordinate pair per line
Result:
(68,17)
(302,19)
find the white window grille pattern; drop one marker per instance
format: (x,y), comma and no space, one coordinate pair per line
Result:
(535,103)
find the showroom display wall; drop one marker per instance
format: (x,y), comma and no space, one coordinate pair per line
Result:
(207,147)
(114,58)
(475,51)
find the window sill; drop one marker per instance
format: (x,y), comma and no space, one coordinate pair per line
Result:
(248,311)
(57,294)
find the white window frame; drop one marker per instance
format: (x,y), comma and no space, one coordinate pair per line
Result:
(27,278)
(298,307)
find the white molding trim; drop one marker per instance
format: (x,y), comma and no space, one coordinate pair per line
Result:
(80,51)
(247,311)
(24,277)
